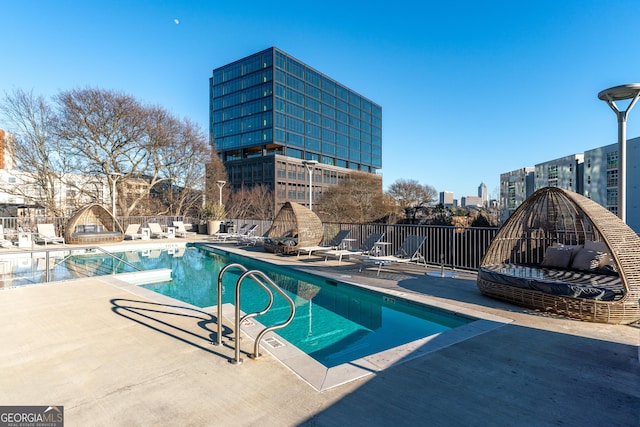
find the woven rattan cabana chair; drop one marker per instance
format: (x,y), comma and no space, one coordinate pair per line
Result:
(294,226)
(563,253)
(93,224)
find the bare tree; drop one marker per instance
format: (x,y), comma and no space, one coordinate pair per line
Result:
(255,203)
(187,172)
(104,132)
(111,134)
(358,198)
(34,149)
(411,196)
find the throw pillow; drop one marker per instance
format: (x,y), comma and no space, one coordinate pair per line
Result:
(587,260)
(606,261)
(556,257)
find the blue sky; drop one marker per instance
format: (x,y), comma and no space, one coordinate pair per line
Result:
(469,89)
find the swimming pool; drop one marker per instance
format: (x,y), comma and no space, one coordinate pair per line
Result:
(335,323)
(346,330)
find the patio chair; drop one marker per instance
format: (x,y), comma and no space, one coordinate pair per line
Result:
(226,236)
(181,231)
(156,231)
(47,234)
(407,252)
(336,242)
(4,243)
(366,248)
(253,239)
(131,232)
(246,235)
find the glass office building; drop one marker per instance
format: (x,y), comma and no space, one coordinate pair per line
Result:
(270,112)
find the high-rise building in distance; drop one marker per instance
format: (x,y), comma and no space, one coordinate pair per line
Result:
(270,113)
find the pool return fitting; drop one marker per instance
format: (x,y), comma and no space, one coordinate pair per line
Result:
(260,278)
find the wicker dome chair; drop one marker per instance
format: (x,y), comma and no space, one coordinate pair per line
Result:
(294,226)
(532,260)
(93,224)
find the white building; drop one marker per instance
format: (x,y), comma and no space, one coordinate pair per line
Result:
(472,201)
(601,179)
(21,195)
(593,174)
(565,172)
(446,198)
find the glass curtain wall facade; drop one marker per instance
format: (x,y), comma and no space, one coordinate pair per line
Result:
(269,112)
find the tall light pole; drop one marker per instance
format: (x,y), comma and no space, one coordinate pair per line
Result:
(114,178)
(619,93)
(309,164)
(221,184)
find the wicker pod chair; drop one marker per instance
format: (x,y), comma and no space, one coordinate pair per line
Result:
(523,266)
(93,224)
(294,226)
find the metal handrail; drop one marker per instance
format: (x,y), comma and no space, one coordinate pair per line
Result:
(220,274)
(258,277)
(47,252)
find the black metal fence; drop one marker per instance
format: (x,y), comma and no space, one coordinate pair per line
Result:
(453,247)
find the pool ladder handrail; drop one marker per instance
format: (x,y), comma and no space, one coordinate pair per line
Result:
(256,275)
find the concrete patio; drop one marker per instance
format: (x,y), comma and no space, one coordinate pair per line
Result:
(113,357)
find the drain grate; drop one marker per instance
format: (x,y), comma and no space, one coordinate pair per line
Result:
(274,342)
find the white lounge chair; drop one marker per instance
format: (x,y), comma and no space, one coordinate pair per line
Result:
(366,248)
(47,234)
(131,232)
(156,231)
(4,243)
(247,236)
(336,242)
(409,251)
(181,231)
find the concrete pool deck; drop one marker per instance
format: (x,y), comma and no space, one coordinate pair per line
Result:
(113,357)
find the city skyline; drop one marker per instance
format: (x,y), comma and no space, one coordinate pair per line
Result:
(468,91)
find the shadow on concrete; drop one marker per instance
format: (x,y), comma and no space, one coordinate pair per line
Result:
(516,376)
(164,318)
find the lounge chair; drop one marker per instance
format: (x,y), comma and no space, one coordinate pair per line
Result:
(4,243)
(366,248)
(409,251)
(132,233)
(181,231)
(253,240)
(336,242)
(224,236)
(47,234)
(156,231)
(247,235)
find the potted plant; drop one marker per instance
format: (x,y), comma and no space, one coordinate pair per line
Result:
(211,215)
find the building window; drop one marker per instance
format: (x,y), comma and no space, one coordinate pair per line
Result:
(612,198)
(612,160)
(612,178)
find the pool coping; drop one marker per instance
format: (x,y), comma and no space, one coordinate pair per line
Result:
(304,366)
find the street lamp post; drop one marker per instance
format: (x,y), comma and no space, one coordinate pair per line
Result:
(309,164)
(619,93)
(114,178)
(221,184)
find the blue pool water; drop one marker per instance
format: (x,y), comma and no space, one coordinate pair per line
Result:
(334,323)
